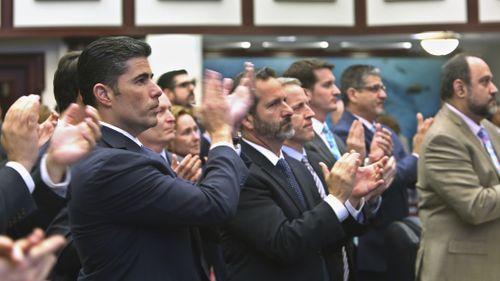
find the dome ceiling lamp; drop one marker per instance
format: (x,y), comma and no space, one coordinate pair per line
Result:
(438,43)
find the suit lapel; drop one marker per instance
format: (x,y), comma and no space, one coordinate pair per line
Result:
(270,171)
(113,139)
(466,132)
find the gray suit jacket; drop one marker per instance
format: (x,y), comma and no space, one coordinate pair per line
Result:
(459,203)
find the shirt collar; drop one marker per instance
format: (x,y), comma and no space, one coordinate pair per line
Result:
(266,152)
(293,153)
(365,122)
(318,126)
(472,125)
(123,132)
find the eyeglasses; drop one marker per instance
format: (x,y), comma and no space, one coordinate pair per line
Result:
(186,84)
(374,88)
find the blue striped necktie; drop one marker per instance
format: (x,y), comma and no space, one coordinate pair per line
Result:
(485,139)
(317,180)
(330,139)
(292,182)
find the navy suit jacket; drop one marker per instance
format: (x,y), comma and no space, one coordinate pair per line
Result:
(21,211)
(15,200)
(131,216)
(273,237)
(394,199)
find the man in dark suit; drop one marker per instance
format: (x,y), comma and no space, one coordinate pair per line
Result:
(129,213)
(364,95)
(22,193)
(295,148)
(283,229)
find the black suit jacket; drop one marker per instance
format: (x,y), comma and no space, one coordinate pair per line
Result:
(273,237)
(131,216)
(15,200)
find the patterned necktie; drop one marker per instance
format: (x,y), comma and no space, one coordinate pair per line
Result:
(489,148)
(317,180)
(292,182)
(330,139)
(346,264)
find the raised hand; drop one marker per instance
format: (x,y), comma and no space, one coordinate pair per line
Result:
(388,174)
(73,138)
(20,131)
(381,144)
(46,129)
(189,168)
(340,179)
(422,128)
(368,178)
(356,139)
(242,98)
(30,258)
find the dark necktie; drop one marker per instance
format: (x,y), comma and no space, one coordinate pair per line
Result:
(292,182)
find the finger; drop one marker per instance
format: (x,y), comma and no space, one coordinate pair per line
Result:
(6,245)
(175,162)
(95,127)
(420,119)
(324,169)
(73,114)
(227,85)
(87,135)
(47,247)
(249,75)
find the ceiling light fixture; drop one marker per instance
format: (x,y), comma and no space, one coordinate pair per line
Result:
(438,43)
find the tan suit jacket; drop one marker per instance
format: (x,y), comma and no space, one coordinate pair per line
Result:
(459,203)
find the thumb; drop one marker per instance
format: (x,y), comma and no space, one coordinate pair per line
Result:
(324,169)
(175,162)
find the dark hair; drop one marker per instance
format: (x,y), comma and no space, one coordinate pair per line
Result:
(167,79)
(456,68)
(103,60)
(262,74)
(304,71)
(354,77)
(66,80)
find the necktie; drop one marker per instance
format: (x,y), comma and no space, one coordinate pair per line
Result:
(489,148)
(346,264)
(292,182)
(317,180)
(330,139)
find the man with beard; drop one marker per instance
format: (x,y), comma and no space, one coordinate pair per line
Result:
(283,229)
(179,87)
(459,179)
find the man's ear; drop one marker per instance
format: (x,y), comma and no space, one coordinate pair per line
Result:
(103,94)
(352,95)
(459,88)
(170,94)
(247,122)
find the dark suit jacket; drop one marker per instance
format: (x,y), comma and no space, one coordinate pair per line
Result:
(21,211)
(131,216)
(317,151)
(394,200)
(15,200)
(273,237)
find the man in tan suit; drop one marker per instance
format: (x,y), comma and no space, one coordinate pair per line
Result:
(458,179)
